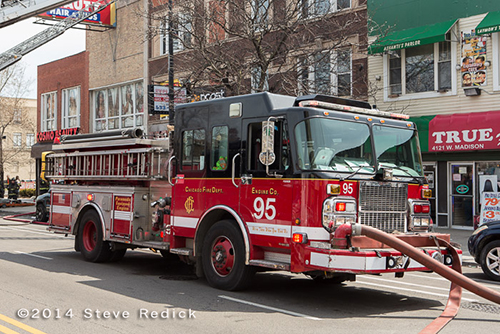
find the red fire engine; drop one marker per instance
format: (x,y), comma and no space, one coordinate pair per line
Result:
(247,182)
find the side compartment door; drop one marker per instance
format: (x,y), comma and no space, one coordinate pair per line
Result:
(60,213)
(265,201)
(121,216)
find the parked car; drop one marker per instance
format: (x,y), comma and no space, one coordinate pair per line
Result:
(42,203)
(484,246)
(4,202)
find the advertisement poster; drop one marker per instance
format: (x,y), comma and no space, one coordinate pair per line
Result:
(490,198)
(473,57)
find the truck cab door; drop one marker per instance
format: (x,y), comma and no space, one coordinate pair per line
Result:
(265,200)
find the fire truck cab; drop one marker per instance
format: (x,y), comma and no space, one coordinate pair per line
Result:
(254,181)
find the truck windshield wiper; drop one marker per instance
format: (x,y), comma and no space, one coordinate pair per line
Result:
(419,181)
(357,170)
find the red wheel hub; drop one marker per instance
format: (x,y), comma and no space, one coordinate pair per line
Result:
(223,256)
(89,236)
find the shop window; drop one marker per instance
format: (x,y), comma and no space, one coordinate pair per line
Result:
(48,111)
(421,69)
(219,152)
(118,107)
(70,108)
(193,150)
(325,73)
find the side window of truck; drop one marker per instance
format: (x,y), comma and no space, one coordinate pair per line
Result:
(193,150)
(281,148)
(219,149)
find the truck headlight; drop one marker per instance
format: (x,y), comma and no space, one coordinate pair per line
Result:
(338,211)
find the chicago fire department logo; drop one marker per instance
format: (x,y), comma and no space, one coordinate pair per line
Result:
(189,205)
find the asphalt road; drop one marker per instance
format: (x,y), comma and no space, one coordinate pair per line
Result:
(45,284)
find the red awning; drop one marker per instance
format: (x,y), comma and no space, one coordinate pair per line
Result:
(465,132)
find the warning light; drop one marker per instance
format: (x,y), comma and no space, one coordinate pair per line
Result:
(90,197)
(299,238)
(340,206)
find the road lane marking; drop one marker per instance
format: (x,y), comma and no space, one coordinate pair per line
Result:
(295,314)
(413,290)
(413,284)
(6,330)
(490,284)
(34,255)
(20,325)
(33,231)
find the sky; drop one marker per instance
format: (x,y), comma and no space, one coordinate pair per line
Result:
(69,43)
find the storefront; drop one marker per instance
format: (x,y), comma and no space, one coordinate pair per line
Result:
(461,154)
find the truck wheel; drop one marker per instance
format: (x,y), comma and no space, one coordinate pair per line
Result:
(490,260)
(223,257)
(90,236)
(41,213)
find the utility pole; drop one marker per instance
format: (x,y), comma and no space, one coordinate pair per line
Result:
(171,94)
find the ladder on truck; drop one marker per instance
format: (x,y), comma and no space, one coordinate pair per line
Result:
(148,163)
(12,11)
(15,54)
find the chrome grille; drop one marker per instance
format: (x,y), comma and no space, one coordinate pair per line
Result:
(383,205)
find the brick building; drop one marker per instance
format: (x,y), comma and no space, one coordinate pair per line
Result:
(63,101)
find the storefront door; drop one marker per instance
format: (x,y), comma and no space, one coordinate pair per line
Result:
(431,176)
(461,194)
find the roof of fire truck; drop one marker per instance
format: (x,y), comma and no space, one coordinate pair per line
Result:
(262,104)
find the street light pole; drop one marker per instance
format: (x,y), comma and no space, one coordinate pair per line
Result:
(171,95)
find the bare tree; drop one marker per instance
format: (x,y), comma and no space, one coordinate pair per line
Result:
(266,45)
(13,116)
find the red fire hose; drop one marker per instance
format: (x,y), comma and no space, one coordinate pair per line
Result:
(454,275)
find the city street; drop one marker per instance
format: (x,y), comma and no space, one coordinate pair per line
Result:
(45,284)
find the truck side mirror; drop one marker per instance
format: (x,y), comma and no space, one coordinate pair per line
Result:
(267,156)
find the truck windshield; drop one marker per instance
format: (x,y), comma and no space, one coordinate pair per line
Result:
(334,145)
(398,148)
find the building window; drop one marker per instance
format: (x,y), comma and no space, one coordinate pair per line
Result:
(17,139)
(30,139)
(181,33)
(17,117)
(218,22)
(70,108)
(344,76)
(260,14)
(118,107)
(193,150)
(255,80)
(312,8)
(219,151)
(326,73)
(49,111)
(425,68)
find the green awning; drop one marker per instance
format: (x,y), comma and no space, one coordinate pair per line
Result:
(408,38)
(490,24)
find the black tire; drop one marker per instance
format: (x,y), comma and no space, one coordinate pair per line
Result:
(223,257)
(490,260)
(117,255)
(90,238)
(41,213)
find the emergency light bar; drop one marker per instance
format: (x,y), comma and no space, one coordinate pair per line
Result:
(340,107)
